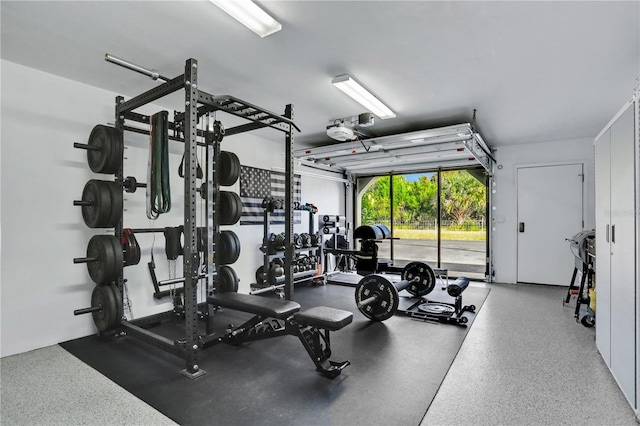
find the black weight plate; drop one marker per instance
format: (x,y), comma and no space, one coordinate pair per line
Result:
(109,155)
(427,279)
(115,191)
(119,304)
(388,298)
(108,264)
(118,257)
(228,249)
(260,276)
(117,150)
(107,317)
(97,214)
(227,280)
(230,208)
(229,168)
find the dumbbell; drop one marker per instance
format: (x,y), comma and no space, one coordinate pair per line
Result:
(378,298)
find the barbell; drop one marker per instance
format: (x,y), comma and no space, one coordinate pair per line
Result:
(378,298)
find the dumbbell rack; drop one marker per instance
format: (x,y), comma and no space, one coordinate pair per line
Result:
(197,104)
(269,255)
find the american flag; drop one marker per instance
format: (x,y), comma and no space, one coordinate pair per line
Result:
(255,185)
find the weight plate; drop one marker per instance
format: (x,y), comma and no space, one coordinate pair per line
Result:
(228,249)
(437,309)
(426,282)
(388,299)
(227,280)
(107,267)
(107,317)
(108,157)
(230,208)
(116,196)
(260,276)
(97,214)
(229,168)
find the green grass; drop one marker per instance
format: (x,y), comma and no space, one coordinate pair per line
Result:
(446,234)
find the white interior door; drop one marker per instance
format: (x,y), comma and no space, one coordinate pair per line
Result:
(550,206)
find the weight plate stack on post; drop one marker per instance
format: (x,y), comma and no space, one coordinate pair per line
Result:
(229,168)
(228,249)
(101,204)
(227,280)
(104,258)
(106,149)
(108,298)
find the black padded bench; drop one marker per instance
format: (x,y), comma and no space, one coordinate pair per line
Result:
(311,326)
(324,317)
(272,308)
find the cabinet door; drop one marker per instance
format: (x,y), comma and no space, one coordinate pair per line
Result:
(623,254)
(603,251)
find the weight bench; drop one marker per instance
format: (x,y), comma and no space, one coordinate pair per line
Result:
(312,326)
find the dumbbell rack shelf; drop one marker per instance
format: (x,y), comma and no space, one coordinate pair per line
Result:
(197,103)
(268,256)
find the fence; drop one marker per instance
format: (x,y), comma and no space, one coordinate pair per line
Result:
(430,224)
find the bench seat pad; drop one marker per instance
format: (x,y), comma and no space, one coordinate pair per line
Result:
(274,308)
(324,317)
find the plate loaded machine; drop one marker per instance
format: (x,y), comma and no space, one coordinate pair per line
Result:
(378,298)
(367,261)
(106,257)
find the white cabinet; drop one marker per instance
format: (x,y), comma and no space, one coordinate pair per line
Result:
(617,291)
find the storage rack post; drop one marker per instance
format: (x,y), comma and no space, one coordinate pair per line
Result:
(190,258)
(288,209)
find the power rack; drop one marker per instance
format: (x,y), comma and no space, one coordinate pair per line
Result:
(197,104)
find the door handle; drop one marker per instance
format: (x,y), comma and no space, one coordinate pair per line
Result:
(606,234)
(521,227)
(613,234)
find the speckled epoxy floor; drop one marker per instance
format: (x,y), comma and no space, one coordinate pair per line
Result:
(524,361)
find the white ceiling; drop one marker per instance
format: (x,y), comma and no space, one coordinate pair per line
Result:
(535,71)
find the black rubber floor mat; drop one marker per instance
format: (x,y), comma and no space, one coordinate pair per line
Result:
(396,369)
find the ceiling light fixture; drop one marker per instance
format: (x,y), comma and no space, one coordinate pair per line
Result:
(250,15)
(352,88)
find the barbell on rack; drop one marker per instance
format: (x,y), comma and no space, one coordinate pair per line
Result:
(378,298)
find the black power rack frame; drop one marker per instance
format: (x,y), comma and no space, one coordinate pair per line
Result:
(197,104)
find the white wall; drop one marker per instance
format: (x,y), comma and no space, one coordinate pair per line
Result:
(505,198)
(41,174)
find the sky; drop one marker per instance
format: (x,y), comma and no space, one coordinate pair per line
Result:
(415,176)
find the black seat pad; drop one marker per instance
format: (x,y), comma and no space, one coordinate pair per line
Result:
(324,317)
(274,308)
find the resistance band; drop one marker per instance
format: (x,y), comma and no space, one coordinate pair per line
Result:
(158,191)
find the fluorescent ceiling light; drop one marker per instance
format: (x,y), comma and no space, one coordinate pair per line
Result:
(250,15)
(352,88)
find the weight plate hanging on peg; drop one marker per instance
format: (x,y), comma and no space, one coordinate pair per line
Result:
(101,204)
(104,258)
(108,298)
(229,208)
(227,281)
(229,168)
(228,249)
(105,154)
